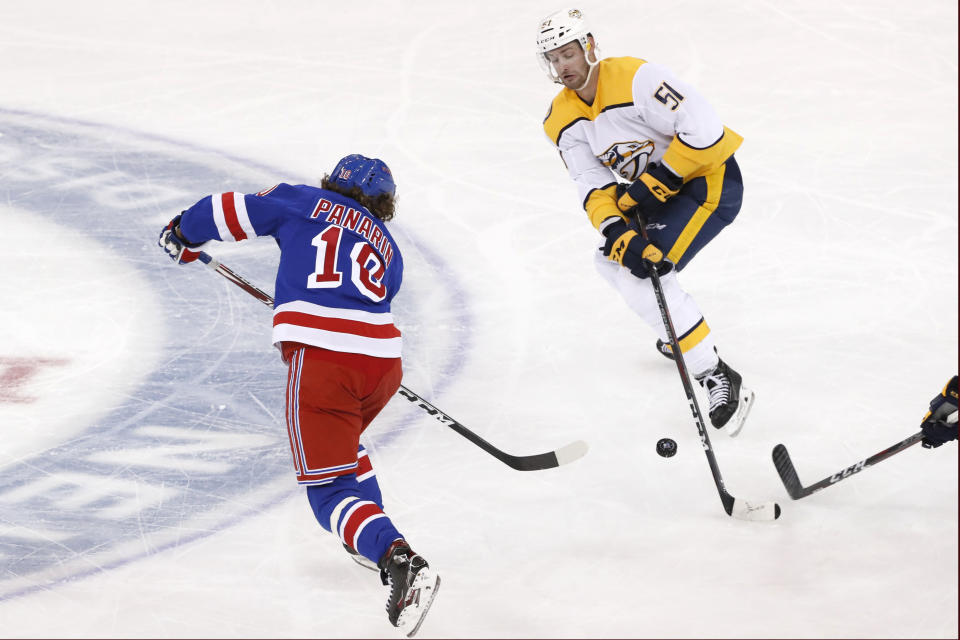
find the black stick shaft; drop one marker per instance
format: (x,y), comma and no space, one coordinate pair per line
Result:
(725,496)
(533,462)
(737,508)
(788,473)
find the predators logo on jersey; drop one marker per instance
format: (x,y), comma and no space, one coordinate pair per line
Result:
(628,159)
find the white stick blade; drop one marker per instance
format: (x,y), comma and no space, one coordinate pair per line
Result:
(756,511)
(571,452)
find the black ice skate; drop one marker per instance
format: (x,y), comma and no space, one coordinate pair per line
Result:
(730,401)
(363,561)
(412,587)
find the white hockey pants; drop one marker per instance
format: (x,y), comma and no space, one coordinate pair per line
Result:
(696,339)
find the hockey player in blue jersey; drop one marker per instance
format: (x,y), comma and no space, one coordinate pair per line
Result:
(339,270)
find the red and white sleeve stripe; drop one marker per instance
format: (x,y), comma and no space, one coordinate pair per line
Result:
(230,216)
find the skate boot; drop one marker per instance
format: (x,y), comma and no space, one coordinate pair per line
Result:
(730,401)
(412,586)
(363,561)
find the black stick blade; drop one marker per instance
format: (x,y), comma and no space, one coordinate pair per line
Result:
(788,474)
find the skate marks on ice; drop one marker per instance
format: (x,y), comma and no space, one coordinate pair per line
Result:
(199,443)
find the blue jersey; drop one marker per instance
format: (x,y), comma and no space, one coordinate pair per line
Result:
(339,266)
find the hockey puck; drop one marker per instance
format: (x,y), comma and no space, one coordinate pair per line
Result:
(666,447)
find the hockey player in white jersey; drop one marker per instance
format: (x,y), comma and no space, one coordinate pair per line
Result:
(643,145)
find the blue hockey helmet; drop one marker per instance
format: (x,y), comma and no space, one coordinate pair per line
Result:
(372,175)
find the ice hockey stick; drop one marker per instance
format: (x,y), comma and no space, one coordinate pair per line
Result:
(536,462)
(788,473)
(733,506)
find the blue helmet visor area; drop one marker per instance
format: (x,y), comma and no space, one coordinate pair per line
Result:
(371,175)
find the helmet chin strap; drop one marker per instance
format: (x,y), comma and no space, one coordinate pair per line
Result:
(592,65)
(587,80)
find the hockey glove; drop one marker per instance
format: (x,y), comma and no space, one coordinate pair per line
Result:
(176,246)
(627,247)
(655,186)
(940,423)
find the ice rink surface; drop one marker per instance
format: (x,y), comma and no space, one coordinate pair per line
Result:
(145,482)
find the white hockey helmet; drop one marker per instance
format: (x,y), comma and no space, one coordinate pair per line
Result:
(558,29)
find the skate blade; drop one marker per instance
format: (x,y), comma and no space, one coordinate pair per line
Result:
(364,562)
(735,425)
(413,615)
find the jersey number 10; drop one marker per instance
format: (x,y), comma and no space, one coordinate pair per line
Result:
(366,267)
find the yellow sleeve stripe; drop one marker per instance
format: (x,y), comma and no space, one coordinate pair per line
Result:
(604,188)
(690,162)
(601,204)
(695,336)
(700,216)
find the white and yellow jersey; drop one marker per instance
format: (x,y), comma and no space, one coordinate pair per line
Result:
(642,113)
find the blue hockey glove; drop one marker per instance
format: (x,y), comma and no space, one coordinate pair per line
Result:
(644,195)
(176,246)
(627,247)
(940,423)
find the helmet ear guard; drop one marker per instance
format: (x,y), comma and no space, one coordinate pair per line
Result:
(560,28)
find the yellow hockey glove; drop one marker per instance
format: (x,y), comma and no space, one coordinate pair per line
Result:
(628,248)
(655,186)
(940,423)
